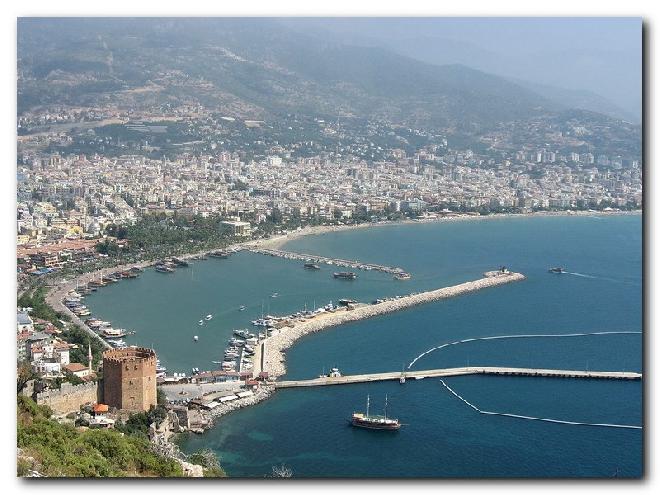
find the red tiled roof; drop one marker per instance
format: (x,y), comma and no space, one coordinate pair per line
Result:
(73,367)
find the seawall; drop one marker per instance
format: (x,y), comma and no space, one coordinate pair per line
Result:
(274,346)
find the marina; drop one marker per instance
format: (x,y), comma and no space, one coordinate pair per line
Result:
(503,311)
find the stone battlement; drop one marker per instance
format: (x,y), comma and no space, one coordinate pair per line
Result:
(129,354)
(69,397)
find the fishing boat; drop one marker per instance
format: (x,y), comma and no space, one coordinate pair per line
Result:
(244,334)
(374,422)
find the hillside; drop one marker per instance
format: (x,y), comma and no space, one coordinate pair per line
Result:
(56,450)
(252,68)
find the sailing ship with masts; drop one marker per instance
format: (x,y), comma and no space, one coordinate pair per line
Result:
(374,422)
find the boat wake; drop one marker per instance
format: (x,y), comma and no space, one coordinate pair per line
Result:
(581,275)
(518,336)
(532,418)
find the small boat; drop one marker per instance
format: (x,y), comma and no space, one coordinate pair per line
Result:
(164,269)
(557,269)
(117,344)
(241,308)
(311,266)
(242,333)
(200,322)
(274,295)
(402,276)
(345,275)
(195,338)
(208,317)
(114,333)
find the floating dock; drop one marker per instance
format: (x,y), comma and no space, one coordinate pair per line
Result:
(468,370)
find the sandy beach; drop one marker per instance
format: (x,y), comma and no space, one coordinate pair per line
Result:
(277,242)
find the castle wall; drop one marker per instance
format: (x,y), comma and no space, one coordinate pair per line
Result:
(69,397)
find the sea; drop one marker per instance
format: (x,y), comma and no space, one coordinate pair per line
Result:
(307,431)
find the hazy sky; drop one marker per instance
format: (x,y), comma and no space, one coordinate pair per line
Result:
(602,55)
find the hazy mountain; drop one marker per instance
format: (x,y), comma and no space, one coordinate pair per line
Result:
(255,65)
(602,56)
(579,99)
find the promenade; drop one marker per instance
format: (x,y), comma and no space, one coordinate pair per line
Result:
(468,370)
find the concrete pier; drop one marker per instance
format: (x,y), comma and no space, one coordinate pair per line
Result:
(468,370)
(315,258)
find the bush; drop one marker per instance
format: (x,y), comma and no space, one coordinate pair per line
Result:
(62,450)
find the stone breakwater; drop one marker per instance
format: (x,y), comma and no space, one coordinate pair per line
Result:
(274,346)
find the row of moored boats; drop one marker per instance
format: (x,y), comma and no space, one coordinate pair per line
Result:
(74,302)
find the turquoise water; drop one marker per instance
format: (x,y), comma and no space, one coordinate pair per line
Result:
(306,429)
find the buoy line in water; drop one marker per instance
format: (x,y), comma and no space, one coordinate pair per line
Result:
(518,336)
(532,418)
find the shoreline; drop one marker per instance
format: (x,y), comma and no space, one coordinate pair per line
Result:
(55,296)
(278,242)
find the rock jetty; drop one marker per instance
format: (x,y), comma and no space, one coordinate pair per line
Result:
(274,346)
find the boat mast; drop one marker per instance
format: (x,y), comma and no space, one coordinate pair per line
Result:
(385,406)
(367,405)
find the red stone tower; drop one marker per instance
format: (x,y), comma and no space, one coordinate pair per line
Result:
(129,378)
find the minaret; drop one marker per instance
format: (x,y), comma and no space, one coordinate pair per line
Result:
(89,355)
